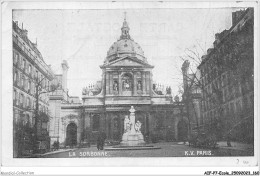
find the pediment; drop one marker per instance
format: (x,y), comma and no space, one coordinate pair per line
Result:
(127,61)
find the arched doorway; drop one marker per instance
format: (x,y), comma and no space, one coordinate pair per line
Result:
(182,131)
(71,134)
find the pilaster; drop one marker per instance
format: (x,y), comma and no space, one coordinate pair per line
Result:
(134,83)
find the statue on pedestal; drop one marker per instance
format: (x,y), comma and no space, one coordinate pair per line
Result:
(115,86)
(132,130)
(139,85)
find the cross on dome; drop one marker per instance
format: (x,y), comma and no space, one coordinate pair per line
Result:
(125,16)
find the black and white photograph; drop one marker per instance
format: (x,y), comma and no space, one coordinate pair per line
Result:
(132,81)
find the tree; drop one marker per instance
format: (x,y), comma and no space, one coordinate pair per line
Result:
(41,118)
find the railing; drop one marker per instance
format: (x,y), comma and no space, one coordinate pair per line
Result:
(59,92)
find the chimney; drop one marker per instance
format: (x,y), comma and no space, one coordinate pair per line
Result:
(25,33)
(204,57)
(209,50)
(35,44)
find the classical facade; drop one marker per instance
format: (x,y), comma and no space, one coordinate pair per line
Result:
(127,80)
(227,78)
(30,75)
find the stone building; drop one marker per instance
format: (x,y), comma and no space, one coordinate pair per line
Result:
(127,80)
(227,76)
(29,73)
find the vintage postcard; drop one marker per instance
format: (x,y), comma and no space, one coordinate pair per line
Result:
(130,84)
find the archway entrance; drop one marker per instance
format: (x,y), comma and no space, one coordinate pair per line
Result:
(71,134)
(182,131)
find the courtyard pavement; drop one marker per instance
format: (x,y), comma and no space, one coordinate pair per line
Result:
(167,149)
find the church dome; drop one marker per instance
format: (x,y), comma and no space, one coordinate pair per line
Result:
(125,46)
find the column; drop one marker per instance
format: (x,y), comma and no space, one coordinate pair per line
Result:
(110,83)
(107,83)
(119,83)
(120,125)
(112,127)
(165,125)
(151,83)
(105,122)
(143,82)
(134,84)
(148,82)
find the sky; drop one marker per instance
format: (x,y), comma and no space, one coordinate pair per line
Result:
(83,37)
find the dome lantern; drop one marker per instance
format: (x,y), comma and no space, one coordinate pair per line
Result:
(125,30)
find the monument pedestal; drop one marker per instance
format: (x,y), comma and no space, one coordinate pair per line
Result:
(132,139)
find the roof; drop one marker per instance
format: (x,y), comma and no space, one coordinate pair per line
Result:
(125,46)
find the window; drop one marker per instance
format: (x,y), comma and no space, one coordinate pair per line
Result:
(15,76)
(37,74)
(41,80)
(15,55)
(29,86)
(28,102)
(48,85)
(44,82)
(44,125)
(23,64)
(14,95)
(22,81)
(24,101)
(30,69)
(17,98)
(21,99)
(32,88)
(32,104)
(95,120)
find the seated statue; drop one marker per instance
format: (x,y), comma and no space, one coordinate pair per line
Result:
(138,125)
(127,124)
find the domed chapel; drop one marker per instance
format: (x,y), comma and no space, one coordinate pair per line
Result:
(127,80)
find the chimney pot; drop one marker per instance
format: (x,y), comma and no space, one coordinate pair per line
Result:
(209,50)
